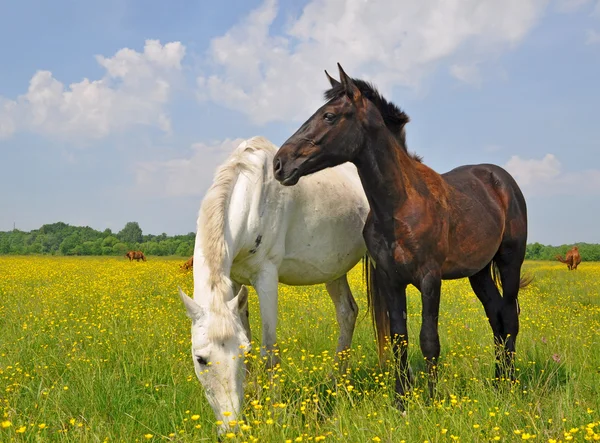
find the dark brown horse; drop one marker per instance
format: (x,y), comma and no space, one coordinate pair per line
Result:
(572,258)
(423,227)
(135,255)
(188,264)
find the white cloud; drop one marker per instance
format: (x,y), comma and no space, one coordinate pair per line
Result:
(466,73)
(546,177)
(133,91)
(391,42)
(184,176)
(531,171)
(592,37)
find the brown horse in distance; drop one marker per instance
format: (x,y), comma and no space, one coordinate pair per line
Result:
(572,258)
(423,227)
(135,255)
(188,264)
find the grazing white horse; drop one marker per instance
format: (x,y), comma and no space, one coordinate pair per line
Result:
(251,230)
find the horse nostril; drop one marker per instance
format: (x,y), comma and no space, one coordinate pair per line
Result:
(277,166)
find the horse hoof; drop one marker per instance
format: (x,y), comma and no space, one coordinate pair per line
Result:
(401,406)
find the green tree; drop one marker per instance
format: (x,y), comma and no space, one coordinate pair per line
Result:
(4,243)
(185,249)
(69,245)
(91,248)
(533,251)
(131,233)
(120,249)
(109,241)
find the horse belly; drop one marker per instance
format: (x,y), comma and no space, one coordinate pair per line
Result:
(327,254)
(467,259)
(471,247)
(324,239)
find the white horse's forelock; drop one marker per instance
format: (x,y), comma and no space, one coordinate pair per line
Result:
(211,227)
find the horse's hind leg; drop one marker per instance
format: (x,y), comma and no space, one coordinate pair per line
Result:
(346,312)
(509,260)
(484,287)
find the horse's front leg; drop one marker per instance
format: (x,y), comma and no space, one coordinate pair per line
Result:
(265,283)
(395,296)
(244,315)
(431,286)
(346,312)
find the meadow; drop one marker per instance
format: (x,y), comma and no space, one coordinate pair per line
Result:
(96,349)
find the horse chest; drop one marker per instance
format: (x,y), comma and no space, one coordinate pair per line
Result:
(385,252)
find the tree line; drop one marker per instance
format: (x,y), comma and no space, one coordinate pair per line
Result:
(537,251)
(63,239)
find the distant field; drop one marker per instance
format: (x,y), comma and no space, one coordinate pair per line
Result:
(97,349)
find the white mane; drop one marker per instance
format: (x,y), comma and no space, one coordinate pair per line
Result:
(212,218)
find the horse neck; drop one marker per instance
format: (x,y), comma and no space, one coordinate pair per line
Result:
(213,299)
(241,215)
(386,171)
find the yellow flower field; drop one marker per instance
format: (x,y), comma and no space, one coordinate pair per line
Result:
(97,349)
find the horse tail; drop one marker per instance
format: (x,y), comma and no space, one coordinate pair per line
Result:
(524,281)
(377,305)
(560,259)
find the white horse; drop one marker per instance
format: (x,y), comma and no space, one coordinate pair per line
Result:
(251,230)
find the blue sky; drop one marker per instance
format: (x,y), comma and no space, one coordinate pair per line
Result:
(121,110)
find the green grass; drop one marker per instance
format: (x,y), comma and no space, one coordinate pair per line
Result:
(96,349)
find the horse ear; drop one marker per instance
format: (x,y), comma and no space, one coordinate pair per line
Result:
(332,81)
(240,301)
(351,90)
(193,309)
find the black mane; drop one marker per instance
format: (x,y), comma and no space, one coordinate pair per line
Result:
(394,118)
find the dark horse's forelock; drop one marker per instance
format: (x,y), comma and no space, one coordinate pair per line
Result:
(394,118)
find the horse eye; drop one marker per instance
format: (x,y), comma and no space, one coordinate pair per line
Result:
(201,361)
(329,117)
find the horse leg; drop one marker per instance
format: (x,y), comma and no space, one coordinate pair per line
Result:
(245,315)
(510,277)
(487,292)
(346,312)
(395,296)
(245,318)
(266,285)
(431,287)
(509,260)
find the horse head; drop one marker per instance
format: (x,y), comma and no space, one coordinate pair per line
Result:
(218,352)
(338,131)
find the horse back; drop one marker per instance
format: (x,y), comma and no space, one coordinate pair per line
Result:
(490,185)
